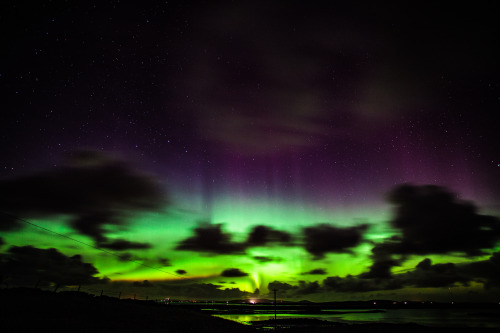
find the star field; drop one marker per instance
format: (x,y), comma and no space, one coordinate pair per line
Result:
(237,145)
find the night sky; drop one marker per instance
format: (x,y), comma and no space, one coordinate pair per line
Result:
(222,149)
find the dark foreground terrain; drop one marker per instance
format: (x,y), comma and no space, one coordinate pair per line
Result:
(26,310)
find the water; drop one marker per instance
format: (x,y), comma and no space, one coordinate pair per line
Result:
(427,317)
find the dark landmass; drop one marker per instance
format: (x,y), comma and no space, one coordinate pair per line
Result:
(243,307)
(370,304)
(24,310)
(27,309)
(323,326)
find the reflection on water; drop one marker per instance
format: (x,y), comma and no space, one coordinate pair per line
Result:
(427,317)
(246,319)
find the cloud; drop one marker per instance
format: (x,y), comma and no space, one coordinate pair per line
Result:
(306,288)
(288,290)
(282,286)
(351,283)
(318,240)
(485,271)
(424,275)
(282,113)
(427,275)
(164,262)
(322,239)
(433,221)
(295,88)
(262,235)
(202,291)
(383,260)
(317,271)
(264,259)
(233,272)
(27,264)
(121,245)
(126,256)
(210,238)
(142,284)
(96,190)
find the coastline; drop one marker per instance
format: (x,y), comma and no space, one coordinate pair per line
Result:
(32,309)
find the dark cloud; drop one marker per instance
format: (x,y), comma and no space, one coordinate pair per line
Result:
(121,245)
(322,239)
(383,260)
(262,235)
(27,264)
(281,286)
(154,262)
(317,271)
(319,240)
(427,275)
(264,259)
(233,272)
(142,284)
(210,238)
(126,257)
(96,190)
(181,272)
(433,221)
(306,288)
(424,275)
(288,290)
(202,291)
(351,283)
(164,262)
(485,271)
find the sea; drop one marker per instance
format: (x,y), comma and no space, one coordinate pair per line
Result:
(462,317)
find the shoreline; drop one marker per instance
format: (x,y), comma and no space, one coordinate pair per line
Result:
(33,309)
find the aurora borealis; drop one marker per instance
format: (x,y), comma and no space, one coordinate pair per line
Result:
(223,149)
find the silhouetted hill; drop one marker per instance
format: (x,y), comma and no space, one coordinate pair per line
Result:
(34,310)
